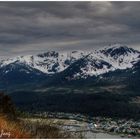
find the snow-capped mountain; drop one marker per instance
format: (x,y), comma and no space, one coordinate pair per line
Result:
(81,64)
(50,62)
(120,56)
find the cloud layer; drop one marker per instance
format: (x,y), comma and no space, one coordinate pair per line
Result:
(32,27)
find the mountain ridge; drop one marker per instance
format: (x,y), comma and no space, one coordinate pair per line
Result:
(80,64)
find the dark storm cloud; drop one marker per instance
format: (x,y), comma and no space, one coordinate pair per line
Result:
(31,27)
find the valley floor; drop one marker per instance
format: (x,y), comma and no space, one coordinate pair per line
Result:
(79,126)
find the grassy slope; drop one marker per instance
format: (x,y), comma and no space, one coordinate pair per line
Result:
(13,128)
(26,129)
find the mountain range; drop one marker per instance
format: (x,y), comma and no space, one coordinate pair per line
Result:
(68,66)
(103,82)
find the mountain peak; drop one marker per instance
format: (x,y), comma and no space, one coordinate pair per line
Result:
(117,50)
(48,54)
(116,46)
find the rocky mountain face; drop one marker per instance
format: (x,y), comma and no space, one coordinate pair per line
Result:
(74,65)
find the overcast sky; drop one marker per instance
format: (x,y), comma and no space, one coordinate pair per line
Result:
(32,27)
